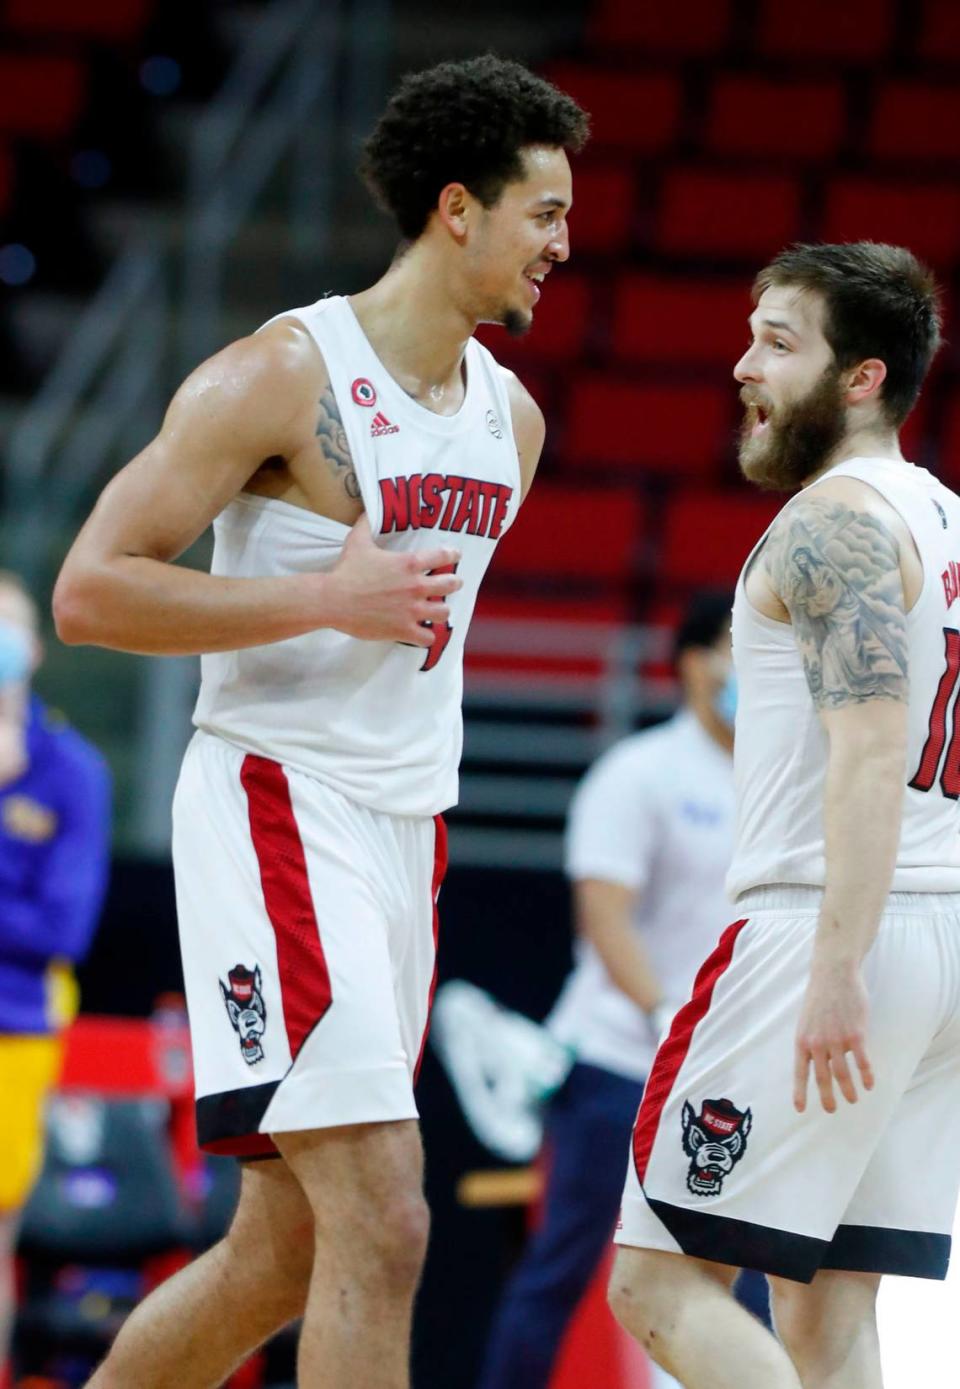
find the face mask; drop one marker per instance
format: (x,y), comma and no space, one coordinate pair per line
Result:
(15,653)
(725,700)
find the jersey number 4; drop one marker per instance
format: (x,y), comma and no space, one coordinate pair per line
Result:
(932,755)
(442,631)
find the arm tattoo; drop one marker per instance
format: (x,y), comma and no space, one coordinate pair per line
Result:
(334,445)
(838,573)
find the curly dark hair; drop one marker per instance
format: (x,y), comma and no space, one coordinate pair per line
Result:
(464,122)
(881,302)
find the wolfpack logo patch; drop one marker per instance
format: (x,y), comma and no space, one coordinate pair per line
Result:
(245,1008)
(714,1143)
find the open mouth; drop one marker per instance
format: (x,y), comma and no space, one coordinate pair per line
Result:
(534,279)
(761,419)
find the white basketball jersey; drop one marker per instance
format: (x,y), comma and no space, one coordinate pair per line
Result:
(379,721)
(654,814)
(780,756)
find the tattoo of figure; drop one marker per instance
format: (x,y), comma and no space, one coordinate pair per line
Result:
(838,573)
(334,445)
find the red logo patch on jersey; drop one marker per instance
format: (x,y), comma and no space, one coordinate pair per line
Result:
(381,425)
(363,392)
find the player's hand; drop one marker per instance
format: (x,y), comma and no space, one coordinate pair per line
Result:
(382,595)
(833,1026)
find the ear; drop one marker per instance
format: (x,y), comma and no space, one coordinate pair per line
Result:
(747,1124)
(453,208)
(234,1011)
(866,380)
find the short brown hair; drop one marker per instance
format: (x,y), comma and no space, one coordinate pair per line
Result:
(880,302)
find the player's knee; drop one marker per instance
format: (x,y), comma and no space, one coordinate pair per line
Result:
(630,1295)
(809,1317)
(399,1234)
(278,1268)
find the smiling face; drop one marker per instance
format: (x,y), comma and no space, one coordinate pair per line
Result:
(792,390)
(518,240)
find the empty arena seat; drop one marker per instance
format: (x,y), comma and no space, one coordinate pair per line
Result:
(698,27)
(560,320)
(635,112)
(762,116)
(706,213)
(603,211)
(680,320)
(854,31)
(572,533)
(674,428)
(938,39)
(915,121)
(707,535)
(923,216)
(112,20)
(41,94)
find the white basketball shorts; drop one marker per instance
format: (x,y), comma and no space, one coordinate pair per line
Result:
(308,931)
(722,1167)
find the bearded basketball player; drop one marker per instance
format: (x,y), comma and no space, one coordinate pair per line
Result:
(359,458)
(844,959)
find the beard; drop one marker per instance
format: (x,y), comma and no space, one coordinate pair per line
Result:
(516,322)
(798,439)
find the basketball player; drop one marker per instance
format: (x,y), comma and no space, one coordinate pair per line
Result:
(844,959)
(648,843)
(360,458)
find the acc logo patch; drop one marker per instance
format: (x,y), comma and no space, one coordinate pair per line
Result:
(715,1142)
(494,425)
(363,392)
(25,818)
(243,1001)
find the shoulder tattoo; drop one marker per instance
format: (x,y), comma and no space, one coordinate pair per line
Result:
(333,443)
(837,571)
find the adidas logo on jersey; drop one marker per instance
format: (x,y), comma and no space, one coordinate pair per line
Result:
(381,425)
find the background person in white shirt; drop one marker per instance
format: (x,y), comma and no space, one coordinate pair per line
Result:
(649,840)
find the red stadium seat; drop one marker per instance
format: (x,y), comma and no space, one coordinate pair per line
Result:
(854,31)
(603,209)
(939,37)
(681,430)
(698,27)
(572,533)
(708,535)
(629,111)
(925,217)
(759,116)
(680,320)
(111,20)
(560,320)
(916,121)
(744,216)
(41,95)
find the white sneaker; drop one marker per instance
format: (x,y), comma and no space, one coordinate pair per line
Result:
(503,1067)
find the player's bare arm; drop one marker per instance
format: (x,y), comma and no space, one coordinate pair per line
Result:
(256,409)
(529,429)
(836,566)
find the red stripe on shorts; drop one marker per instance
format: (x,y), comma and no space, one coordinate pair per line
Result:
(673,1052)
(439,870)
(304,977)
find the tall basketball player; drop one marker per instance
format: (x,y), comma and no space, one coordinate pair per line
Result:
(359,458)
(845,955)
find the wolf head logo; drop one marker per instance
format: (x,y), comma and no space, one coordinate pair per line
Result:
(714,1142)
(245,1007)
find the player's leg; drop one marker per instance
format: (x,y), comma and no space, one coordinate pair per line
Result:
(587,1133)
(830,1329)
(364,1184)
(683,1312)
(197,1327)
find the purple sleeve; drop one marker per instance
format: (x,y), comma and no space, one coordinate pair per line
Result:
(60,917)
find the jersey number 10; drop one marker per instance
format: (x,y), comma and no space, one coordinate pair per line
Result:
(932,754)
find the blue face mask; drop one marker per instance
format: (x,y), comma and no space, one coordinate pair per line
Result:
(725,700)
(15,654)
